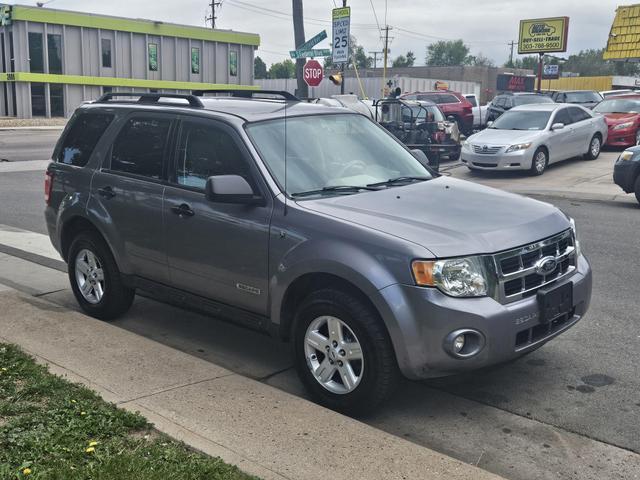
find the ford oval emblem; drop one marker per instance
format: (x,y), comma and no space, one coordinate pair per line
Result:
(546,265)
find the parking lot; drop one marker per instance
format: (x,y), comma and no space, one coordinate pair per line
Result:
(567,410)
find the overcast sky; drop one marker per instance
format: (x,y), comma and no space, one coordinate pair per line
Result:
(487,26)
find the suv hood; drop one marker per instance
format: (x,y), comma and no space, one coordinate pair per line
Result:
(449,217)
(495,136)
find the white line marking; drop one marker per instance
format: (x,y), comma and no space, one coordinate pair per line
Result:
(27,241)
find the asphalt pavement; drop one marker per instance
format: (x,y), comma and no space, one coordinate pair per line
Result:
(569,410)
(22,144)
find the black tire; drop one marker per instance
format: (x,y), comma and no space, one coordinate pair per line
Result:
(594,152)
(535,170)
(117,298)
(636,188)
(380,371)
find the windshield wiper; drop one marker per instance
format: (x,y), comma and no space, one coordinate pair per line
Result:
(401,180)
(335,188)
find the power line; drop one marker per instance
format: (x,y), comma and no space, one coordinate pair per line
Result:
(375,15)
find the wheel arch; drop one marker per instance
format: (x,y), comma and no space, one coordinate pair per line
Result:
(74,225)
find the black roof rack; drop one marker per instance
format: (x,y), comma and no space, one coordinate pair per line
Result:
(151,98)
(249,93)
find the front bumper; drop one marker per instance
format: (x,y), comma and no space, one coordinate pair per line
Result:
(518,160)
(625,173)
(422,318)
(621,138)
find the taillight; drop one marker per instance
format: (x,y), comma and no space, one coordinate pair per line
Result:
(48,187)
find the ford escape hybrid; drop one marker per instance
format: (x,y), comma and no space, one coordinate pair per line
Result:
(315,225)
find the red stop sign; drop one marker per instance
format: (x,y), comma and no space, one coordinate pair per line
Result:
(312,73)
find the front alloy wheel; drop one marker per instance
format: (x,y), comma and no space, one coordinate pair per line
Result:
(594,148)
(334,355)
(539,163)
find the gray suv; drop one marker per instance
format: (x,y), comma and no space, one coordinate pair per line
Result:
(315,225)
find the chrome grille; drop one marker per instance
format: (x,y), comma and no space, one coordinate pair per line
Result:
(485,149)
(518,276)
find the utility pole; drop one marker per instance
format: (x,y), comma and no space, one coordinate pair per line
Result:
(298,36)
(512,43)
(212,18)
(375,58)
(385,55)
(344,65)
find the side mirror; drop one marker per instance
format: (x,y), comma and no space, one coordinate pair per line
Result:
(231,189)
(421,157)
(557,126)
(489,123)
(451,118)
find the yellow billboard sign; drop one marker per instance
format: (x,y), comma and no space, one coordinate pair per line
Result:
(543,35)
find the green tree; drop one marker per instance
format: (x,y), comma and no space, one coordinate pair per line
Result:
(402,61)
(447,53)
(285,69)
(259,69)
(480,60)
(355,51)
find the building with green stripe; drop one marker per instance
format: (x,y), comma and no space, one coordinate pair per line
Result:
(53,60)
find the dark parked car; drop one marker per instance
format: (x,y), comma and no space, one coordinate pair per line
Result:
(626,171)
(586,98)
(506,101)
(452,104)
(313,224)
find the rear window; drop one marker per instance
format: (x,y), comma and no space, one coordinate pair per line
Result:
(439,98)
(528,99)
(82,138)
(583,97)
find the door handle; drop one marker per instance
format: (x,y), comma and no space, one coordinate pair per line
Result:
(106,192)
(183,210)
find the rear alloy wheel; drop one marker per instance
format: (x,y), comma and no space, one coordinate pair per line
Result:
(95,279)
(594,148)
(539,162)
(343,353)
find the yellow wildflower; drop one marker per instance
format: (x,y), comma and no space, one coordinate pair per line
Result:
(90,450)
(93,443)
(3,369)
(26,471)
(83,413)
(73,401)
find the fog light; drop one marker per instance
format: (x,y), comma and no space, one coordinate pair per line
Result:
(464,343)
(458,343)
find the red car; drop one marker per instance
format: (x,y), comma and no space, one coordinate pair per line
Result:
(452,104)
(622,114)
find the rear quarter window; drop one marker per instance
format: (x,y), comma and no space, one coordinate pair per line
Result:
(81,139)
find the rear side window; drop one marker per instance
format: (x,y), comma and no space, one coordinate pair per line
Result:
(578,115)
(439,98)
(562,116)
(82,138)
(140,146)
(472,101)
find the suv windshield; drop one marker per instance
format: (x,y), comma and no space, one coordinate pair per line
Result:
(522,120)
(583,97)
(326,151)
(527,99)
(618,105)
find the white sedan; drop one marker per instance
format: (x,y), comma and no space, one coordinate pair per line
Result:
(530,137)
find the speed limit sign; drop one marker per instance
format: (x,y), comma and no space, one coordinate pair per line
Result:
(340,42)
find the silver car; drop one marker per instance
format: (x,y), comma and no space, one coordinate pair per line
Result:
(530,137)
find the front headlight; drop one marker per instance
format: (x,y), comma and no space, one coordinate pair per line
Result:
(458,277)
(621,126)
(466,145)
(518,146)
(575,236)
(626,155)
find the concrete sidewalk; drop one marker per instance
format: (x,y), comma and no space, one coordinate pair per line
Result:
(263,430)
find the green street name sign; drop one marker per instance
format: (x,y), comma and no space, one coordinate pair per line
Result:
(309,44)
(320,52)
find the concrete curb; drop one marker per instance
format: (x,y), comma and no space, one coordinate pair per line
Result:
(264,431)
